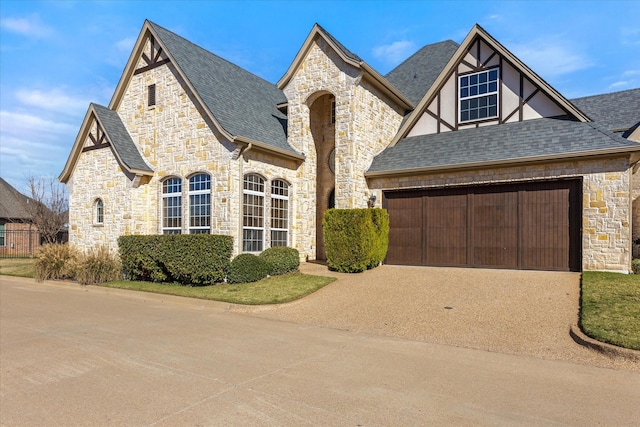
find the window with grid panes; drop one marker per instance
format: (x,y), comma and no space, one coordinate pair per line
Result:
(279,213)
(200,204)
(172,206)
(253,214)
(478,95)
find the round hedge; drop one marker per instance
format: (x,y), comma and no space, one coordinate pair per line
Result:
(281,259)
(247,268)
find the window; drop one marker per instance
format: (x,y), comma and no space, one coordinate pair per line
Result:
(333,111)
(279,213)
(200,204)
(172,206)
(479,95)
(253,214)
(3,235)
(151,98)
(99,207)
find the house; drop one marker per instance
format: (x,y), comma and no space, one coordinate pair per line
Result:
(478,160)
(18,236)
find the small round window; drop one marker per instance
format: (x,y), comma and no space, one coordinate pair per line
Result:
(332,161)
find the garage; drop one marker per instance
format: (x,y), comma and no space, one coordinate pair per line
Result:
(529,226)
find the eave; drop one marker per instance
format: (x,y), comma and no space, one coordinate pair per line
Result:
(584,155)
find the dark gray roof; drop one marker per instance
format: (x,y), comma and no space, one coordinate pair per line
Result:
(12,203)
(619,111)
(499,143)
(340,46)
(416,74)
(120,139)
(243,103)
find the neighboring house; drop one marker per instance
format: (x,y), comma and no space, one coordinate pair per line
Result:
(479,161)
(18,236)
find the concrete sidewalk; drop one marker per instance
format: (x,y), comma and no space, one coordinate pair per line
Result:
(505,311)
(92,356)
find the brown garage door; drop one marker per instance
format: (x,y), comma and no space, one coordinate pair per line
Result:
(527,226)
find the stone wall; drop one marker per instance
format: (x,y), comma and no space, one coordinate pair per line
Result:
(366,122)
(606,186)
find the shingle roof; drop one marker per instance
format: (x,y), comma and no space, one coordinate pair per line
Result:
(12,203)
(243,103)
(518,141)
(340,46)
(417,73)
(617,111)
(120,139)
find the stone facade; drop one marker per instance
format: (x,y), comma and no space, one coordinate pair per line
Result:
(333,106)
(365,123)
(606,204)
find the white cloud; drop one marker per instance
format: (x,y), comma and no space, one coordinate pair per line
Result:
(630,36)
(551,58)
(395,52)
(32,128)
(126,44)
(30,27)
(53,100)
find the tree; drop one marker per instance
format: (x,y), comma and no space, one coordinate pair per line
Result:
(47,206)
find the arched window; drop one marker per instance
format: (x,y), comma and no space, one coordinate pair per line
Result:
(200,204)
(253,214)
(279,213)
(172,206)
(99,211)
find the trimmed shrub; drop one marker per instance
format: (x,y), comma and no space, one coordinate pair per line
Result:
(55,261)
(355,239)
(246,268)
(281,260)
(635,266)
(190,259)
(98,266)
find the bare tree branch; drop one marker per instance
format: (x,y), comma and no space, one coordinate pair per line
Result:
(47,206)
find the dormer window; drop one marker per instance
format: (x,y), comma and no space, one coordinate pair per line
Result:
(479,95)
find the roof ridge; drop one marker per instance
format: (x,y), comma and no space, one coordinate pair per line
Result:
(244,70)
(607,93)
(448,41)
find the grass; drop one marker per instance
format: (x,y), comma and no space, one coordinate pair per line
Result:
(611,308)
(273,290)
(21,267)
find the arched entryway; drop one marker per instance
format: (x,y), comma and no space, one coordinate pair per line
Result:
(322,120)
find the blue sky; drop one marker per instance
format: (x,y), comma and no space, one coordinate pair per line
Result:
(58,56)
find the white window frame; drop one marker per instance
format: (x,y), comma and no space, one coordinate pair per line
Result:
(200,229)
(284,198)
(166,197)
(247,245)
(478,95)
(3,235)
(98,207)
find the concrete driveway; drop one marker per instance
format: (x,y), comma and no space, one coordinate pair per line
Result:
(506,311)
(95,356)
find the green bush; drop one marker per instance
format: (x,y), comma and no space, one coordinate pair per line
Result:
(635,266)
(98,266)
(246,268)
(281,260)
(355,239)
(55,261)
(190,259)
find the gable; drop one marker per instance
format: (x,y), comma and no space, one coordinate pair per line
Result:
(102,129)
(518,94)
(240,105)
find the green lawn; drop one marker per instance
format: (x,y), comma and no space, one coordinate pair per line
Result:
(273,290)
(611,308)
(22,267)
